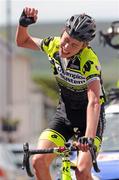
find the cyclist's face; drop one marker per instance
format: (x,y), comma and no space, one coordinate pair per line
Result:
(69,46)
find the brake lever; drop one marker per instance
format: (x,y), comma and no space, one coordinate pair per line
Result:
(26,157)
(26,152)
(94,161)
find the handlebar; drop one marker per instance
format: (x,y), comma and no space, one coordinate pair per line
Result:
(57,150)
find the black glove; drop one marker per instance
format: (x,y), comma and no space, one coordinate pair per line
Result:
(86,140)
(26,21)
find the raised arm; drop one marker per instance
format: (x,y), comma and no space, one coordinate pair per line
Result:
(23,38)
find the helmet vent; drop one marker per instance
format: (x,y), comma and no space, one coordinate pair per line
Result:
(91,31)
(72,18)
(89,21)
(84,26)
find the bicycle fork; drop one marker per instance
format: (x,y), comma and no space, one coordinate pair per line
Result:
(66,169)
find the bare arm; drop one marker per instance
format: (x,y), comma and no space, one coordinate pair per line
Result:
(23,38)
(93,109)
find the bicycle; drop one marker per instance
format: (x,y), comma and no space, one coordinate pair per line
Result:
(64,152)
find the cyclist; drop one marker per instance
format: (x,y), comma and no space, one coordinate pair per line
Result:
(78,74)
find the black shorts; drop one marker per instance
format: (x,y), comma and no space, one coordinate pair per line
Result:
(66,120)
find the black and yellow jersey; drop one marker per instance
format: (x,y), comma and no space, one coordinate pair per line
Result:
(74,74)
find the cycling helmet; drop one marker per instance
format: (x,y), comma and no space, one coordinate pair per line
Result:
(81,27)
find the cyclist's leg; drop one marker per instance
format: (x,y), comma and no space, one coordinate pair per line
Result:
(49,138)
(57,134)
(41,162)
(84,163)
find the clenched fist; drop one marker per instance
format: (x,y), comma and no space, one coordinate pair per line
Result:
(28,16)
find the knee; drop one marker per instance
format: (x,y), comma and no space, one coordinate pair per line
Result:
(83,172)
(39,161)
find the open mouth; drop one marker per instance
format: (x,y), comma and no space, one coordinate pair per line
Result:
(64,52)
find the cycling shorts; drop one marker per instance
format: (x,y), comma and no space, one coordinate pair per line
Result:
(66,121)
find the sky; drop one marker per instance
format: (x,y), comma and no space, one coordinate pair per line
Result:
(60,10)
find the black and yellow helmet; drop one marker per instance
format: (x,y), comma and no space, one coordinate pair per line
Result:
(81,27)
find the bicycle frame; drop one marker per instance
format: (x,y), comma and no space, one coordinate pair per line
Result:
(66,169)
(64,152)
(66,163)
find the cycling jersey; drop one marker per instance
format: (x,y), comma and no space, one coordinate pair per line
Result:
(73,74)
